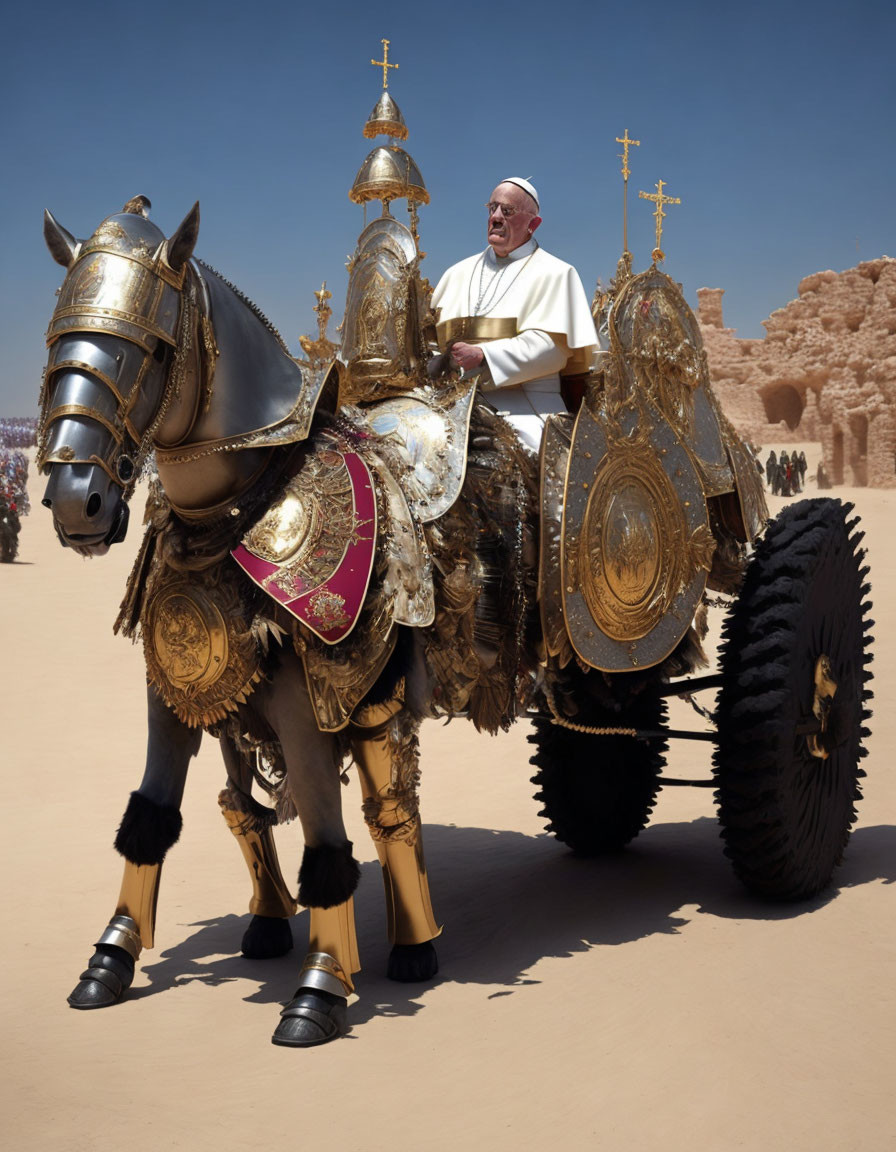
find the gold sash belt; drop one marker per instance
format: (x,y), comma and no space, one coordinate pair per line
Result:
(478,328)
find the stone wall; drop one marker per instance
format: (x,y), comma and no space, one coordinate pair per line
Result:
(826,371)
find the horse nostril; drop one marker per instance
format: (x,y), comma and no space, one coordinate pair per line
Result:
(94,504)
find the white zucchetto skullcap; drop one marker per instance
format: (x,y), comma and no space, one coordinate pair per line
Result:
(525,185)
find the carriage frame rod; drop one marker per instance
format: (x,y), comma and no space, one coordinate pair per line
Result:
(695,684)
(666,781)
(672,734)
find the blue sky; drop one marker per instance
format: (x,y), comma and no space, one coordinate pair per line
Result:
(773,122)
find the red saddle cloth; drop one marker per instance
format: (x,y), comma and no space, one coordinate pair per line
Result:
(323,580)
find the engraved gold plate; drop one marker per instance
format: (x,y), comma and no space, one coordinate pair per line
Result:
(554,464)
(189,637)
(636,545)
(201,653)
(423,437)
(655,337)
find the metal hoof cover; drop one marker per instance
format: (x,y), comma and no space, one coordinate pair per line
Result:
(93,991)
(311,1018)
(108,976)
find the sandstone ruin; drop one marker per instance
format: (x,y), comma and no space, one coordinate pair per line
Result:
(825,371)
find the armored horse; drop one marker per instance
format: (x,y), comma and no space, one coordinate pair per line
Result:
(309,586)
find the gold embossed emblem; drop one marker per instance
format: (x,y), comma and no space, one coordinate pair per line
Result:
(636,552)
(636,541)
(189,637)
(327,610)
(201,652)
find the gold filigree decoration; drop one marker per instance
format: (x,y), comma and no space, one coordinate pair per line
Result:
(295,534)
(327,609)
(393,813)
(634,553)
(321,351)
(201,653)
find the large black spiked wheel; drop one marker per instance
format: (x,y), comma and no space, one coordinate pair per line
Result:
(598,792)
(786,813)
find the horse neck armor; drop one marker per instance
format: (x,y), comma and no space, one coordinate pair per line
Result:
(257,397)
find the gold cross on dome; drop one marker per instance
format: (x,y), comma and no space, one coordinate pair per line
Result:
(659,199)
(625,140)
(384,64)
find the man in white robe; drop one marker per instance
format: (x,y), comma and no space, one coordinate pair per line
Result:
(516,314)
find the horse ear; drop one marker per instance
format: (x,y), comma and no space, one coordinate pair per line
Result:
(63,246)
(182,243)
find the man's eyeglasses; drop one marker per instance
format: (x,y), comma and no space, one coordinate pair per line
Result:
(507,210)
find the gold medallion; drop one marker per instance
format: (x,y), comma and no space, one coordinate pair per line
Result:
(189,637)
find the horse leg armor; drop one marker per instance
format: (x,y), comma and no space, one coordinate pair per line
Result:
(317,1012)
(147,831)
(150,826)
(271,904)
(269,933)
(385,749)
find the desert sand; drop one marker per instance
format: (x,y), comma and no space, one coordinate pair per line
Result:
(643,1001)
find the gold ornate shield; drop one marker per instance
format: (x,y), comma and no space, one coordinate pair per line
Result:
(636,543)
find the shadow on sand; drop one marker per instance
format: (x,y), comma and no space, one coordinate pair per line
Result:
(509,900)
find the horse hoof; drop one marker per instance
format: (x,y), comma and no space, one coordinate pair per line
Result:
(267,937)
(410,963)
(311,1018)
(109,974)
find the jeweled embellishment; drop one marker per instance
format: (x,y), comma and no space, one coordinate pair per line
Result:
(327,609)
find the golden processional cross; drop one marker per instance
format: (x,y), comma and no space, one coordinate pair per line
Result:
(384,64)
(659,199)
(323,309)
(625,141)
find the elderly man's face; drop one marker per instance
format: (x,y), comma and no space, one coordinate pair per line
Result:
(507,232)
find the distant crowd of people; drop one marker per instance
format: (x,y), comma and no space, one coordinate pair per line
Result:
(14,481)
(786,474)
(18,432)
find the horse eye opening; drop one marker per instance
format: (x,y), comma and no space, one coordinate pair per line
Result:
(125,468)
(94,503)
(158,353)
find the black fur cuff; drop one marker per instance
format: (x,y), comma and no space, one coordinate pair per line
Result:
(147,830)
(328,876)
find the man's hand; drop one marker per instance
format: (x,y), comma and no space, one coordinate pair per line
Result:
(467,356)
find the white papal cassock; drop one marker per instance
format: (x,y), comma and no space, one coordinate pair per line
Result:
(529,313)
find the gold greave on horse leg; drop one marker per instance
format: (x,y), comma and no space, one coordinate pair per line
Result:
(270,896)
(134,923)
(332,957)
(408,906)
(386,757)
